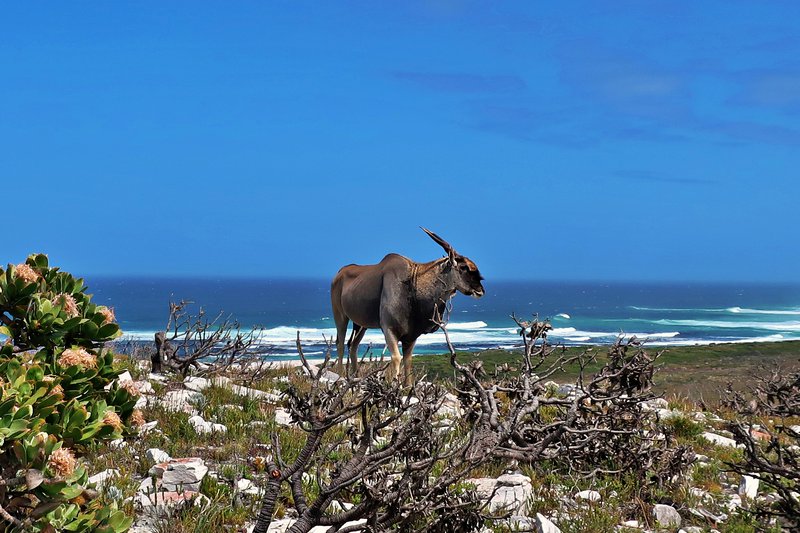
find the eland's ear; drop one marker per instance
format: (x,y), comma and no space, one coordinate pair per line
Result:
(443,243)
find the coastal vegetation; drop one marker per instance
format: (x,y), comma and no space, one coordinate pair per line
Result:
(617,438)
(58,400)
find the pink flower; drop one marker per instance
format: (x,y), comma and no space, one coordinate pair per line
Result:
(137,418)
(68,304)
(108,313)
(131,387)
(112,419)
(62,462)
(77,357)
(26,273)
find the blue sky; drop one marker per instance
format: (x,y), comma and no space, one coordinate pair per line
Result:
(621,140)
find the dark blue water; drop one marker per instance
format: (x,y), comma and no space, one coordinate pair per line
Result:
(581,313)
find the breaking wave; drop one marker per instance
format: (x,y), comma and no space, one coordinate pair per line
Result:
(727,324)
(735,310)
(745,311)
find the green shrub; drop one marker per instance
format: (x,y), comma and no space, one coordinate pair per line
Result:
(683,427)
(53,401)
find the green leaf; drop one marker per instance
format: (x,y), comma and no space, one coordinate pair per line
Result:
(108,331)
(35,373)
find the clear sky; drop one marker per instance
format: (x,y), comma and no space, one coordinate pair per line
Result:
(620,140)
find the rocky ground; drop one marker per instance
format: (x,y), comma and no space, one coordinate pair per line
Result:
(198,465)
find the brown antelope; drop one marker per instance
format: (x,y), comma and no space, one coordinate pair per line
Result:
(400,296)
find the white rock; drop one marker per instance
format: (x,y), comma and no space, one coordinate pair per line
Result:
(588,495)
(147,427)
(118,444)
(100,479)
(196,384)
(544,525)
(160,504)
(634,524)
(483,485)
(200,426)
(510,499)
(734,502)
(520,523)
(337,507)
(155,455)
(666,414)
(700,494)
(324,529)
(566,389)
(181,401)
(279,526)
(666,516)
(219,428)
(719,440)
(330,377)
(125,376)
(451,406)
(748,487)
(156,377)
(146,485)
(184,473)
(512,494)
(659,403)
(282,417)
(144,387)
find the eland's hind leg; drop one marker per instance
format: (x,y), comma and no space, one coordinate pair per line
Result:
(341,332)
(339,317)
(355,340)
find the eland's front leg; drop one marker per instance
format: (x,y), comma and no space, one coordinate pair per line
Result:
(408,352)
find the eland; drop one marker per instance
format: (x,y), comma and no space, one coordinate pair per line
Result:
(401,297)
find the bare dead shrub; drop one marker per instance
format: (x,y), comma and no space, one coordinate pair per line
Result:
(377,443)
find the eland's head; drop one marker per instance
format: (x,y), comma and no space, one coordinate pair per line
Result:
(466,276)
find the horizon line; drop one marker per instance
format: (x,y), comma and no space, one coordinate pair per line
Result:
(285,277)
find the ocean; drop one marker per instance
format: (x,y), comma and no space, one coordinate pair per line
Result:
(581,313)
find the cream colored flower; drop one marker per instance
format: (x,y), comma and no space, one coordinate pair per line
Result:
(112,419)
(137,418)
(131,387)
(77,356)
(62,462)
(108,313)
(57,390)
(26,273)
(68,304)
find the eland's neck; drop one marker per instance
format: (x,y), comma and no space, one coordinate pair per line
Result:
(432,282)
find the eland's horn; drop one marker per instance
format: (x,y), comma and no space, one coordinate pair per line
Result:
(441,242)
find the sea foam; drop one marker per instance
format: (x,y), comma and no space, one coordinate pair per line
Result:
(770,326)
(745,311)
